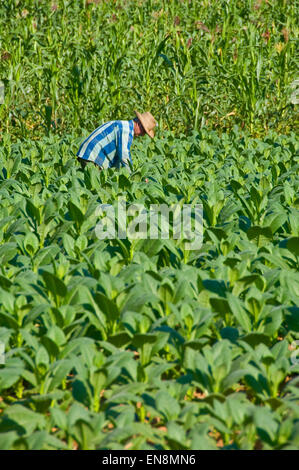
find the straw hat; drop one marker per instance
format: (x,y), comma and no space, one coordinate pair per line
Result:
(148,122)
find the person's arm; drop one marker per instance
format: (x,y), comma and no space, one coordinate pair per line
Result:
(126,138)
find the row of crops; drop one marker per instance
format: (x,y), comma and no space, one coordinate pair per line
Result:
(141,344)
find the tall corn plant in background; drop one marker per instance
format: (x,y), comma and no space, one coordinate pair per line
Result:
(194,64)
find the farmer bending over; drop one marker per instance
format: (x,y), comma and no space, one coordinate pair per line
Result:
(109,145)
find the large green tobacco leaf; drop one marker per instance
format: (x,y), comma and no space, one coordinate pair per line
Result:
(211,369)
(292,318)
(266,425)
(45,255)
(292,244)
(43,440)
(21,419)
(7,439)
(55,285)
(107,306)
(11,373)
(234,306)
(167,405)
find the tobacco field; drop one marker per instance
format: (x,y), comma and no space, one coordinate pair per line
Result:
(143,344)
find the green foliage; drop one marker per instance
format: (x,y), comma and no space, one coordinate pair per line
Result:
(78,63)
(110,343)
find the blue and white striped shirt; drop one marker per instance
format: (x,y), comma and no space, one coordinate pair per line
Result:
(109,145)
